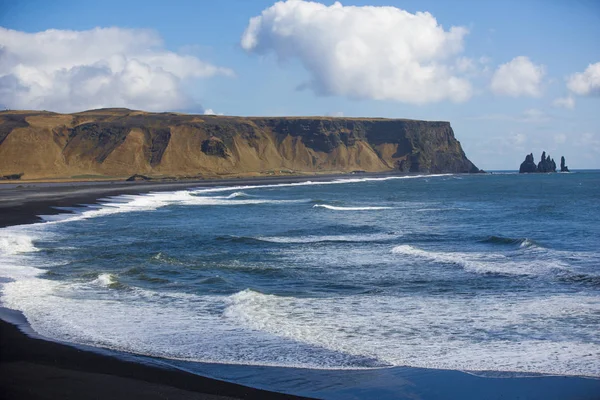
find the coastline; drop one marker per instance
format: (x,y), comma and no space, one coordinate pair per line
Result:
(34,368)
(31,366)
(22,202)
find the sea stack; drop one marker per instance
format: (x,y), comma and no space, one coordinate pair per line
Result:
(528,165)
(546,164)
(563,167)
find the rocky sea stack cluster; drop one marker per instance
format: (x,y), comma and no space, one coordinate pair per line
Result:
(546,164)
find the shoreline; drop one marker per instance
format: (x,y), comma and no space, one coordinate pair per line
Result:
(22,203)
(31,365)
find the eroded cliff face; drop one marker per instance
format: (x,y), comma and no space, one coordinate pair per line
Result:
(121,142)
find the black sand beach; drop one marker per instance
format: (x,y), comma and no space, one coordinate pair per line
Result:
(33,368)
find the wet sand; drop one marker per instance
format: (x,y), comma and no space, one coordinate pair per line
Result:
(33,368)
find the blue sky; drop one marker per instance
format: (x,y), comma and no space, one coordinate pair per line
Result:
(499,114)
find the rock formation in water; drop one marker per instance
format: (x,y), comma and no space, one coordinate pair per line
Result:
(528,165)
(546,164)
(563,167)
(120,143)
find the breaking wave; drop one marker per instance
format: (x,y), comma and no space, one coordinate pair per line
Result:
(349,238)
(485,263)
(501,240)
(338,208)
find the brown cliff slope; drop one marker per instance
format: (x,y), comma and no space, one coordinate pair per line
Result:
(120,142)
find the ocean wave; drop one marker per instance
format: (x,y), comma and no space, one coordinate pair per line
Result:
(109,281)
(317,183)
(339,208)
(250,327)
(487,333)
(196,197)
(214,280)
(12,243)
(160,257)
(238,194)
(305,239)
(358,238)
(439,209)
(501,240)
(486,263)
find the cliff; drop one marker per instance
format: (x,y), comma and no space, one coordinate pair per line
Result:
(118,143)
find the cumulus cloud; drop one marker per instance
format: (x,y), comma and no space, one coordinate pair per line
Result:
(518,77)
(66,71)
(564,102)
(586,83)
(382,53)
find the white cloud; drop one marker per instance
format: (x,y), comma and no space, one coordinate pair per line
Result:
(209,111)
(382,53)
(67,71)
(586,83)
(336,114)
(518,77)
(564,102)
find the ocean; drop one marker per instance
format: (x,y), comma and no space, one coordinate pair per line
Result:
(493,274)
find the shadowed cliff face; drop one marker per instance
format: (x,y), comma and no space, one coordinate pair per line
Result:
(121,142)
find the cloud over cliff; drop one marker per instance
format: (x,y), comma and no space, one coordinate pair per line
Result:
(66,71)
(382,53)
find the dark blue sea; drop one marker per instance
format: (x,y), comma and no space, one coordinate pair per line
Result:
(494,274)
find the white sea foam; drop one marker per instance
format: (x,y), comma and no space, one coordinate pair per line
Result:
(142,321)
(311,183)
(484,263)
(13,242)
(339,208)
(432,331)
(359,238)
(104,280)
(237,194)
(340,332)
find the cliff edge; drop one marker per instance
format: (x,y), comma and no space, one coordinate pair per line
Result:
(115,143)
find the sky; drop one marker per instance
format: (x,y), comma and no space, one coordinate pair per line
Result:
(512,77)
